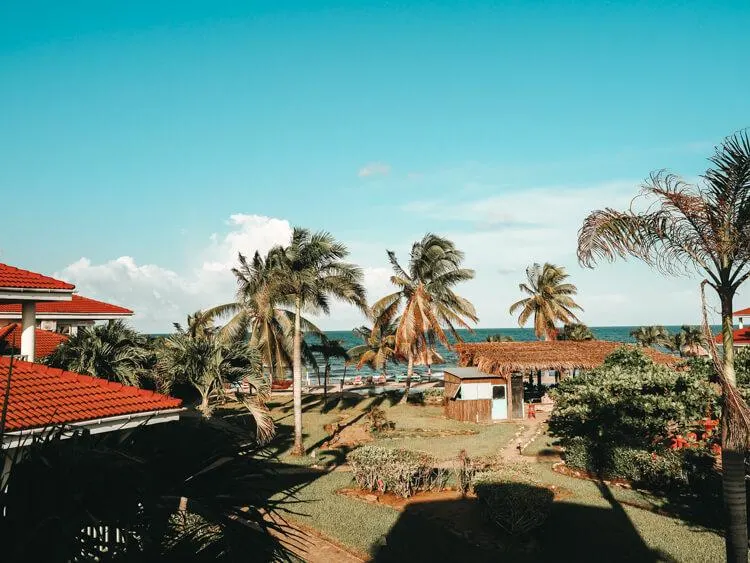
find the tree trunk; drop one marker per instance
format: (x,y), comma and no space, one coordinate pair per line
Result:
(325,382)
(539,379)
(204,407)
(732,453)
(343,378)
(298,448)
(409,373)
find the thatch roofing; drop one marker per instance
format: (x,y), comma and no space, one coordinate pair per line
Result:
(502,358)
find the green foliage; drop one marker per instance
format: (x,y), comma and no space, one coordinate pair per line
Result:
(515,503)
(650,335)
(629,401)
(575,331)
(110,351)
(499,338)
(402,472)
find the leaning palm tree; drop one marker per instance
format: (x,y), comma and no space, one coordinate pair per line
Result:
(111,351)
(311,271)
(425,299)
(703,227)
(550,299)
(329,348)
(377,349)
(649,336)
(577,332)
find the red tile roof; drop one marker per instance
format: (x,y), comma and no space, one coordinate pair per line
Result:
(41,396)
(15,278)
(741,336)
(742,313)
(78,305)
(46,341)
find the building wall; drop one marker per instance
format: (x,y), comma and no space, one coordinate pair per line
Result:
(472,410)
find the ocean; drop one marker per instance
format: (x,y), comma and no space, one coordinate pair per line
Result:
(611,333)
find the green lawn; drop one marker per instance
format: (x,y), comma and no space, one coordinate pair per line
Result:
(418,427)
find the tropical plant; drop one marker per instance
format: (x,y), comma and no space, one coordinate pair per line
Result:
(311,271)
(110,351)
(550,299)
(377,349)
(190,490)
(213,366)
(329,348)
(703,227)
(693,340)
(499,338)
(575,331)
(650,336)
(425,299)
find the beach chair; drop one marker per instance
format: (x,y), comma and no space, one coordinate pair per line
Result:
(380,380)
(357,380)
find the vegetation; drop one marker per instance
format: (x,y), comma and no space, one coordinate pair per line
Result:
(212,365)
(499,338)
(515,503)
(575,331)
(703,227)
(377,349)
(329,348)
(650,336)
(110,351)
(550,299)
(402,472)
(425,299)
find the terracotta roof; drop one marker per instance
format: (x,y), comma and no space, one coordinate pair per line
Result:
(742,313)
(41,396)
(78,305)
(16,278)
(741,336)
(46,341)
(506,357)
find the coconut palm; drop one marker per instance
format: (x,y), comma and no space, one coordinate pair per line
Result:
(212,366)
(575,331)
(703,227)
(694,339)
(649,336)
(111,351)
(329,348)
(425,299)
(550,299)
(311,271)
(377,349)
(499,338)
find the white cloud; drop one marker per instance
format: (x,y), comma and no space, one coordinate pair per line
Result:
(374,169)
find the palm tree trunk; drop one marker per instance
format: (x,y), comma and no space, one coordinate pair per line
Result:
(732,454)
(409,373)
(539,379)
(325,382)
(343,378)
(298,448)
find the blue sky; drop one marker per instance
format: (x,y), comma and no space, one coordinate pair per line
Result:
(137,132)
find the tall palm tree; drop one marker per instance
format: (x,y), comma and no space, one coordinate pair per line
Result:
(311,271)
(264,311)
(329,348)
(425,299)
(377,349)
(111,351)
(550,299)
(703,227)
(649,336)
(212,366)
(577,332)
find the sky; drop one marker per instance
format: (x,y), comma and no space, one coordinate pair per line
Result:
(145,144)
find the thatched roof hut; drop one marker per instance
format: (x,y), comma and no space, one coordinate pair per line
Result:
(504,358)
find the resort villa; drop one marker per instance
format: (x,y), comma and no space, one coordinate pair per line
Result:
(489,384)
(741,333)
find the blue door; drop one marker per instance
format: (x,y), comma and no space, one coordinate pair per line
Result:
(499,403)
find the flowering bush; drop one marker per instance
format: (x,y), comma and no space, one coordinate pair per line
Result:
(402,472)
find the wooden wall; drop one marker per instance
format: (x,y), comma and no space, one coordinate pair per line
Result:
(469,411)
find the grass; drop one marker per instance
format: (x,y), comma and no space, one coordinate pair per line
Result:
(418,427)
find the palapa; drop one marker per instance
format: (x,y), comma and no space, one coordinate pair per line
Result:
(503,358)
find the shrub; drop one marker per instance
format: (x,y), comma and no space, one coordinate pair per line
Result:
(433,395)
(515,503)
(465,470)
(402,472)
(378,421)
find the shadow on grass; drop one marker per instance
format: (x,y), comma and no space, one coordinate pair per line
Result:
(460,530)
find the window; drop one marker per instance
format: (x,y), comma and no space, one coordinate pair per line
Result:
(475,391)
(498,392)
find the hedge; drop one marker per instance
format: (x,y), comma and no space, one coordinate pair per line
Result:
(516,504)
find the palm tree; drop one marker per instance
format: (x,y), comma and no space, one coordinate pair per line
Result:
(311,271)
(263,310)
(499,338)
(377,349)
(329,348)
(650,336)
(110,351)
(550,299)
(213,366)
(693,339)
(703,227)
(425,299)
(575,331)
